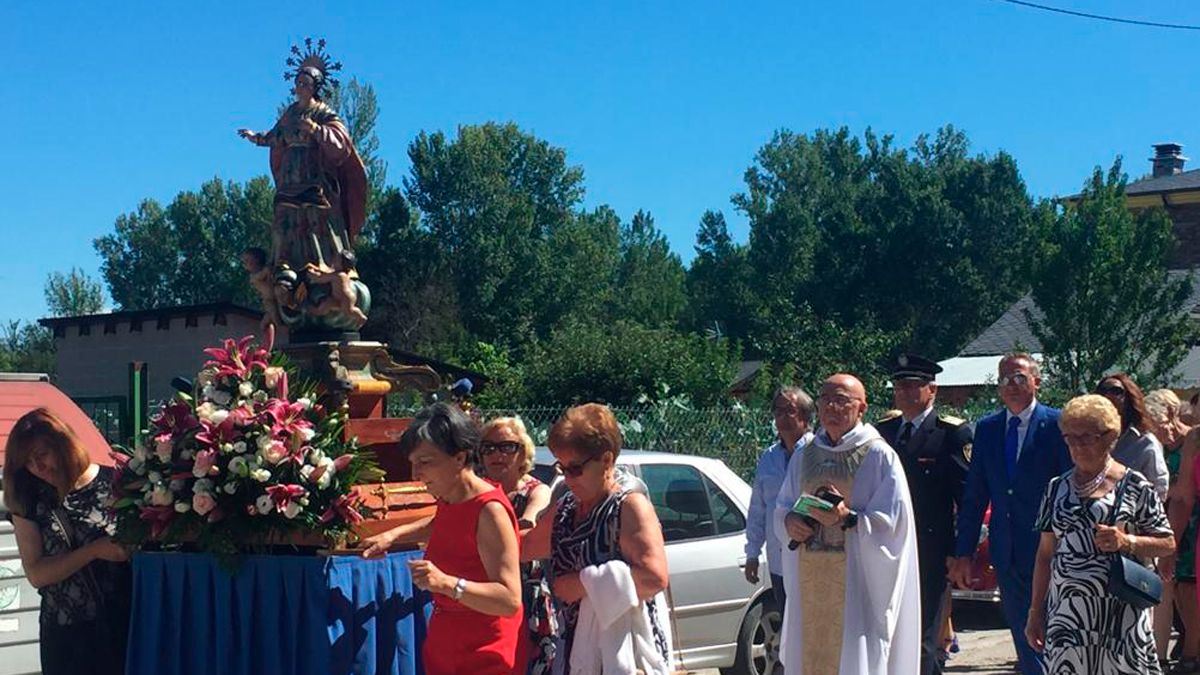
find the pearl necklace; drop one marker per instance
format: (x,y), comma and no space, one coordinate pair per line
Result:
(1083,489)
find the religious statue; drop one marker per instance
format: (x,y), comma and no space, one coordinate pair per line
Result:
(320,206)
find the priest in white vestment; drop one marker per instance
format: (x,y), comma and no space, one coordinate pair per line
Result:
(853,568)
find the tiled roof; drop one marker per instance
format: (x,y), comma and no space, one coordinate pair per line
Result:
(1011,331)
(18,397)
(1188,180)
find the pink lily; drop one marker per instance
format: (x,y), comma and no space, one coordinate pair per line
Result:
(282,495)
(159,518)
(205,465)
(175,418)
(236,358)
(345,506)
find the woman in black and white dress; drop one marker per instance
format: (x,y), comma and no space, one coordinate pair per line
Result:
(1081,627)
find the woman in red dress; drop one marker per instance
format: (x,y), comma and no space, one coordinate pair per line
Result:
(470,564)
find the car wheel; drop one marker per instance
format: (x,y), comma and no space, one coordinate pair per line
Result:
(758,641)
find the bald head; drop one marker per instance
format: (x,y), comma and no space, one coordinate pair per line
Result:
(842,404)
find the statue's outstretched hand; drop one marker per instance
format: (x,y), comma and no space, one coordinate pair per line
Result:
(248,135)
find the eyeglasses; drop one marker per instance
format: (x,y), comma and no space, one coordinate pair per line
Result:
(785,412)
(573,470)
(1082,439)
(1111,390)
(1018,379)
(837,401)
(506,447)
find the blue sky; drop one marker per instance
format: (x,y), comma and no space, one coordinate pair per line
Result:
(662,104)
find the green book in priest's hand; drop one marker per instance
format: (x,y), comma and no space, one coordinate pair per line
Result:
(807,503)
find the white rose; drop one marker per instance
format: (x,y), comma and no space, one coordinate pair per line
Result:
(205,410)
(246,388)
(308,433)
(264,442)
(274,453)
(160,496)
(292,510)
(239,466)
(218,416)
(162,450)
(221,397)
(182,507)
(315,456)
(203,503)
(260,475)
(264,504)
(204,378)
(226,448)
(305,401)
(207,390)
(239,447)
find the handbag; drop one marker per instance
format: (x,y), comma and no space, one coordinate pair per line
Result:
(1130,581)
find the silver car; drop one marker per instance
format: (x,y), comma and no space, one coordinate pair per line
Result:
(719,619)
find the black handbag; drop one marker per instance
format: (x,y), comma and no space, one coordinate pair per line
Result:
(1130,581)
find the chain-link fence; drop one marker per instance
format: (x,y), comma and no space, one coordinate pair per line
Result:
(735,435)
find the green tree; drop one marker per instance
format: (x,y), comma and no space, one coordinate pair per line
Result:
(926,245)
(619,362)
(26,348)
(73,293)
(649,288)
(721,300)
(491,198)
(1105,295)
(583,255)
(414,299)
(188,252)
(357,106)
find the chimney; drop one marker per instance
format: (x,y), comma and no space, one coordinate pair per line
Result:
(1168,159)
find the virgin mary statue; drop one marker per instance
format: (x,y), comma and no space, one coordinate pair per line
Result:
(320,205)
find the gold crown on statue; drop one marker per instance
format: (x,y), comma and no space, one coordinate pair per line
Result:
(317,58)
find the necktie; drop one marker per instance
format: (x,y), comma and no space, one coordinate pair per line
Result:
(905,434)
(1011,446)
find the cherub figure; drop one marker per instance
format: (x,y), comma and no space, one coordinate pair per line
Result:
(254,261)
(342,297)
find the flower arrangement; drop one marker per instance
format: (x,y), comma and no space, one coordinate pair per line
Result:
(239,463)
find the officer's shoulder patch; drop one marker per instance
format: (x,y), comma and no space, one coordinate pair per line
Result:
(889,416)
(951,420)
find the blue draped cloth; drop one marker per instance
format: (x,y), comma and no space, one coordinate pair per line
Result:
(276,614)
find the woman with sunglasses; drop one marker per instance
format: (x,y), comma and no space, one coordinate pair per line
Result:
(470,564)
(506,455)
(601,520)
(1136,448)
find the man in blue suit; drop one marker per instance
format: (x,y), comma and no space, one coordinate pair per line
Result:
(1016,452)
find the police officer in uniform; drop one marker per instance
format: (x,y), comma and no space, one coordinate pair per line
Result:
(935,451)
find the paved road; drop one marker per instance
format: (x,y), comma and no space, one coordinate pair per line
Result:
(985,645)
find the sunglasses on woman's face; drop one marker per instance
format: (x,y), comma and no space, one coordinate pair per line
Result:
(573,470)
(506,447)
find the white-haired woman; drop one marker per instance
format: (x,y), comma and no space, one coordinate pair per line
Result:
(1178,571)
(506,455)
(1080,626)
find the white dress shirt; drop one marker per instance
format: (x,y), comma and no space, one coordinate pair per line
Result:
(1023,428)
